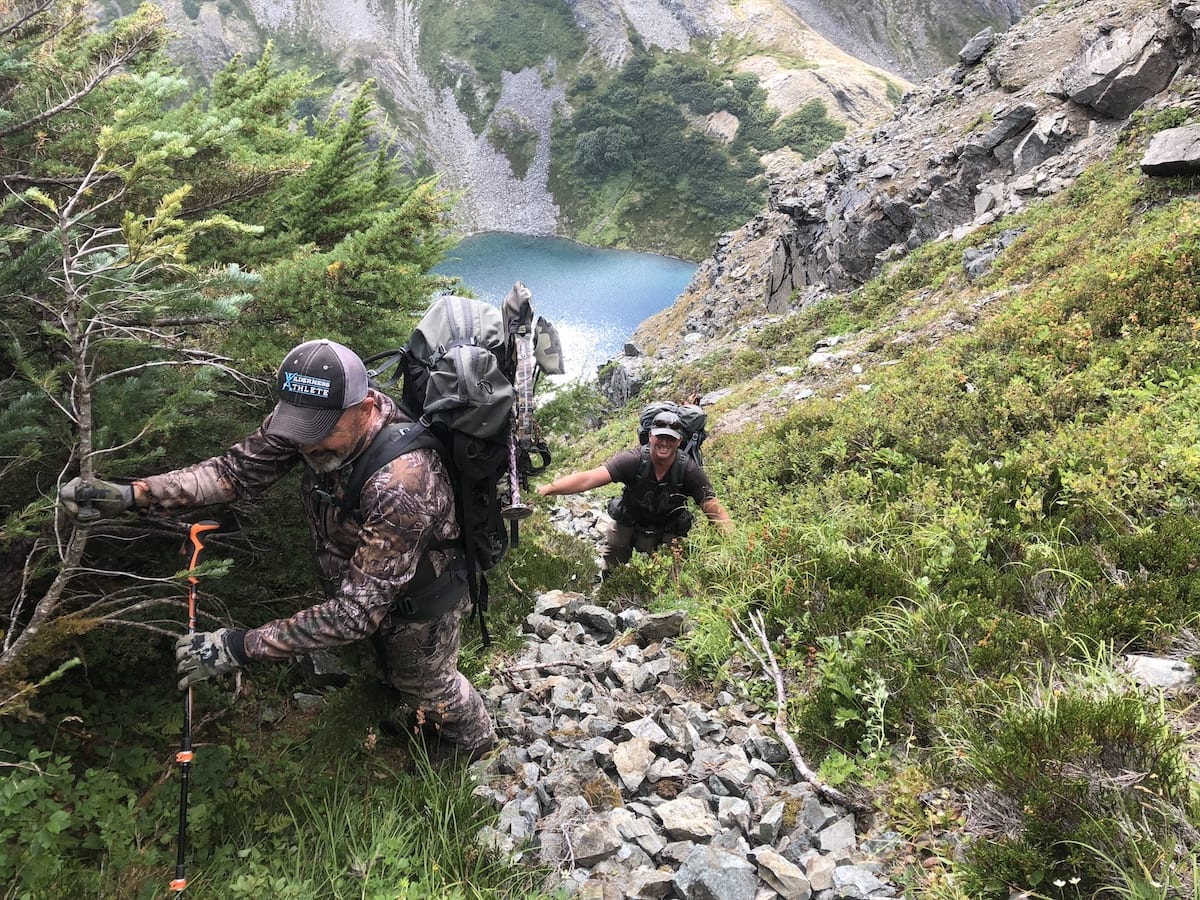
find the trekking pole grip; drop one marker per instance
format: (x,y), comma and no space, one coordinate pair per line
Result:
(194,548)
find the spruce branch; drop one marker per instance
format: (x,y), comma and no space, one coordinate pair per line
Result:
(104,69)
(35,10)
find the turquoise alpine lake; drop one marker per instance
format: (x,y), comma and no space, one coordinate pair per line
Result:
(595,298)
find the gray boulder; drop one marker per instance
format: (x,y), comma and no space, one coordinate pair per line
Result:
(973,51)
(1122,68)
(1175,151)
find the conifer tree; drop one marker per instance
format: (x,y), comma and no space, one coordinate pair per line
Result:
(97,275)
(119,278)
(340,193)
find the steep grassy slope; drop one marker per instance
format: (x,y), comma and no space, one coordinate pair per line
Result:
(955,539)
(988,492)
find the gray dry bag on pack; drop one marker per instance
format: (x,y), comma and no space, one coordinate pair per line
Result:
(458,370)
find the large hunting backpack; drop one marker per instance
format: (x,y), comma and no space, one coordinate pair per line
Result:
(459,383)
(693,418)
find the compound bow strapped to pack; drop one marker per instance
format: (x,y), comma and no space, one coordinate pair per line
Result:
(536,350)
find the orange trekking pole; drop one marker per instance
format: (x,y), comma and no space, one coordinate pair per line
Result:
(193,549)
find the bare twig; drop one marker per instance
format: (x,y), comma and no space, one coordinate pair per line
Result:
(250,188)
(22,592)
(35,9)
(571,663)
(766,659)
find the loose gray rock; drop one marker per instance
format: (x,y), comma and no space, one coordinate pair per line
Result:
(594,841)
(613,775)
(838,837)
(1121,68)
(1175,151)
(711,874)
(781,875)
(660,626)
(1157,672)
(633,759)
(688,819)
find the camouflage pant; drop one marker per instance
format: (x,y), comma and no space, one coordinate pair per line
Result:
(420,660)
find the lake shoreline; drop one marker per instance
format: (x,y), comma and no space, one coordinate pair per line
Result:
(564,237)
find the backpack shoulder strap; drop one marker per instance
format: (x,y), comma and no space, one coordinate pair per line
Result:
(380,363)
(644,465)
(677,467)
(393,441)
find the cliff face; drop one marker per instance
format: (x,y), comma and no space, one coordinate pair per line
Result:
(1018,118)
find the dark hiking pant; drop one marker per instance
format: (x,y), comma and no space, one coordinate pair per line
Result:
(622,540)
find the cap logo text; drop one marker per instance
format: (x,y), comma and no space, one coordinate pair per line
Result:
(297,383)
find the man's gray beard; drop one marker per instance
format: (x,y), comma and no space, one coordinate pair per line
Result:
(329,465)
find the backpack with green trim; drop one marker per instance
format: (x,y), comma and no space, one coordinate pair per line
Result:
(466,378)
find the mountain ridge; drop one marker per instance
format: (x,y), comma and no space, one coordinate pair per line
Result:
(987,137)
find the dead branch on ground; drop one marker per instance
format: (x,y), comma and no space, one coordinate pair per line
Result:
(766,659)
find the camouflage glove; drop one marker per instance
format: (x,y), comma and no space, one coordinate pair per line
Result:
(208,653)
(86,501)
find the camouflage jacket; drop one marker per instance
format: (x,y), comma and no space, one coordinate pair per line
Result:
(407,507)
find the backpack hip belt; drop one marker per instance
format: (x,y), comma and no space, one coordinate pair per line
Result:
(436,596)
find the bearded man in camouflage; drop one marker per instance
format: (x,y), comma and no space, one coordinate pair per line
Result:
(392,574)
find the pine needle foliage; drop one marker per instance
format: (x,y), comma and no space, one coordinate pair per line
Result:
(129,196)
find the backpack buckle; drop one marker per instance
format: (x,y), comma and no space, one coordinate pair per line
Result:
(324,496)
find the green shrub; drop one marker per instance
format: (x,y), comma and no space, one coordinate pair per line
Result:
(809,130)
(628,168)
(516,138)
(1070,768)
(492,39)
(718,370)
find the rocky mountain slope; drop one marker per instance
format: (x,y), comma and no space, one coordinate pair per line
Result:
(360,39)
(1018,118)
(915,40)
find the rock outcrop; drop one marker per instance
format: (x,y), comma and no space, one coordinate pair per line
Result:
(915,40)
(1019,119)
